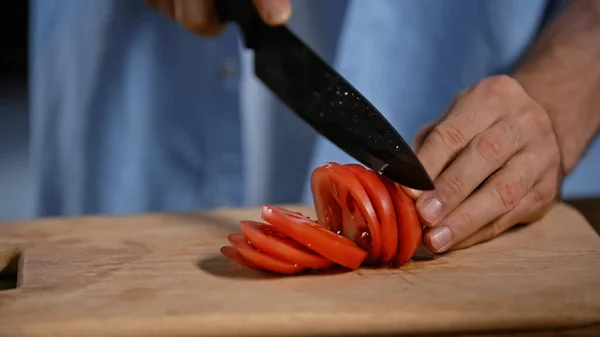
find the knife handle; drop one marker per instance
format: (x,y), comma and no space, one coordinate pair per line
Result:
(255,32)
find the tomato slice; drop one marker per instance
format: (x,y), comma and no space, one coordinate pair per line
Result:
(343,206)
(269,240)
(260,259)
(410,231)
(332,246)
(233,254)
(384,206)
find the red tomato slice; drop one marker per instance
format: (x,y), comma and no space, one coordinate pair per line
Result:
(386,214)
(309,233)
(343,206)
(260,259)
(233,254)
(269,240)
(410,231)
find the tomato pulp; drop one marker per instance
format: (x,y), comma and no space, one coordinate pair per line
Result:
(362,218)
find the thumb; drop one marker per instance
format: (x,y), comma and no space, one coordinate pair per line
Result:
(274,12)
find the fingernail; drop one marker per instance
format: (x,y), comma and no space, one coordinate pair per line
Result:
(431,209)
(440,238)
(277,12)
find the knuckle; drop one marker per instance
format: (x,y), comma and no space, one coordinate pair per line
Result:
(452,186)
(490,147)
(548,194)
(498,85)
(467,221)
(509,194)
(496,228)
(538,196)
(544,193)
(449,136)
(537,117)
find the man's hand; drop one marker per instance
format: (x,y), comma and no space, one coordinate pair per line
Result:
(495,162)
(498,157)
(200,17)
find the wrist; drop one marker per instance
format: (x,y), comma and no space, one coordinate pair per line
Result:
(562,74)
(573,113)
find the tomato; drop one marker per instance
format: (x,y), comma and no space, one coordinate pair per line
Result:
(260,259)
(330,245)
(363,218)
(269,240)
(343,206)
(233,254)
(386,213)
(410,231)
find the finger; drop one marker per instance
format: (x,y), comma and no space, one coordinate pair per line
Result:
(419,138)
(498,196)
(274,12)
(532,207)
(422,134)
(198,16)
(426,129)
(487,152)
(475,112)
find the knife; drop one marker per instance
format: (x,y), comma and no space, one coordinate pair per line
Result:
(323,98)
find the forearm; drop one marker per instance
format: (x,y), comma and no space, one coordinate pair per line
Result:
(562,73)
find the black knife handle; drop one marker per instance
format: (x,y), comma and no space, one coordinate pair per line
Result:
(255,33)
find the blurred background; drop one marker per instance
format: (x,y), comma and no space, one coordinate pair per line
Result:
(15,201)
(14,179)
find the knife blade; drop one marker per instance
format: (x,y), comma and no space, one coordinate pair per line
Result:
(323,98)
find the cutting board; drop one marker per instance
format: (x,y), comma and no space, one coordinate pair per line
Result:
(162,275)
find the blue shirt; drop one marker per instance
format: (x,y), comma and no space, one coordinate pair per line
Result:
(131,113)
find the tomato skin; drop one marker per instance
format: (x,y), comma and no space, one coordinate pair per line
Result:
(410,230)
(384,206)
(260,259)
(269,240)
(334,184)
(363,218)
(232,253)
(330,245)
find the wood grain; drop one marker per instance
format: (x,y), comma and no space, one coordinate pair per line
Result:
(162,275)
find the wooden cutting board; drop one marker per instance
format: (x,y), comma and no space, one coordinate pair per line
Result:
(162,275)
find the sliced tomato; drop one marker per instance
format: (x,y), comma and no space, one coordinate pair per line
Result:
(260,259)
(382,202)
(332,246)
(269,240)
(410,231)
(233,254)
(343,206)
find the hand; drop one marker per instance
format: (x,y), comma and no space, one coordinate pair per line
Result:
(200,17)
(495,162)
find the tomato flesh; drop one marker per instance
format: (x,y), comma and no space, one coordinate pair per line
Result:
(343,206)
(382,202)
(260,259)
(233,254)
(328,244)
(269,240)
(363,218)
(410,231)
